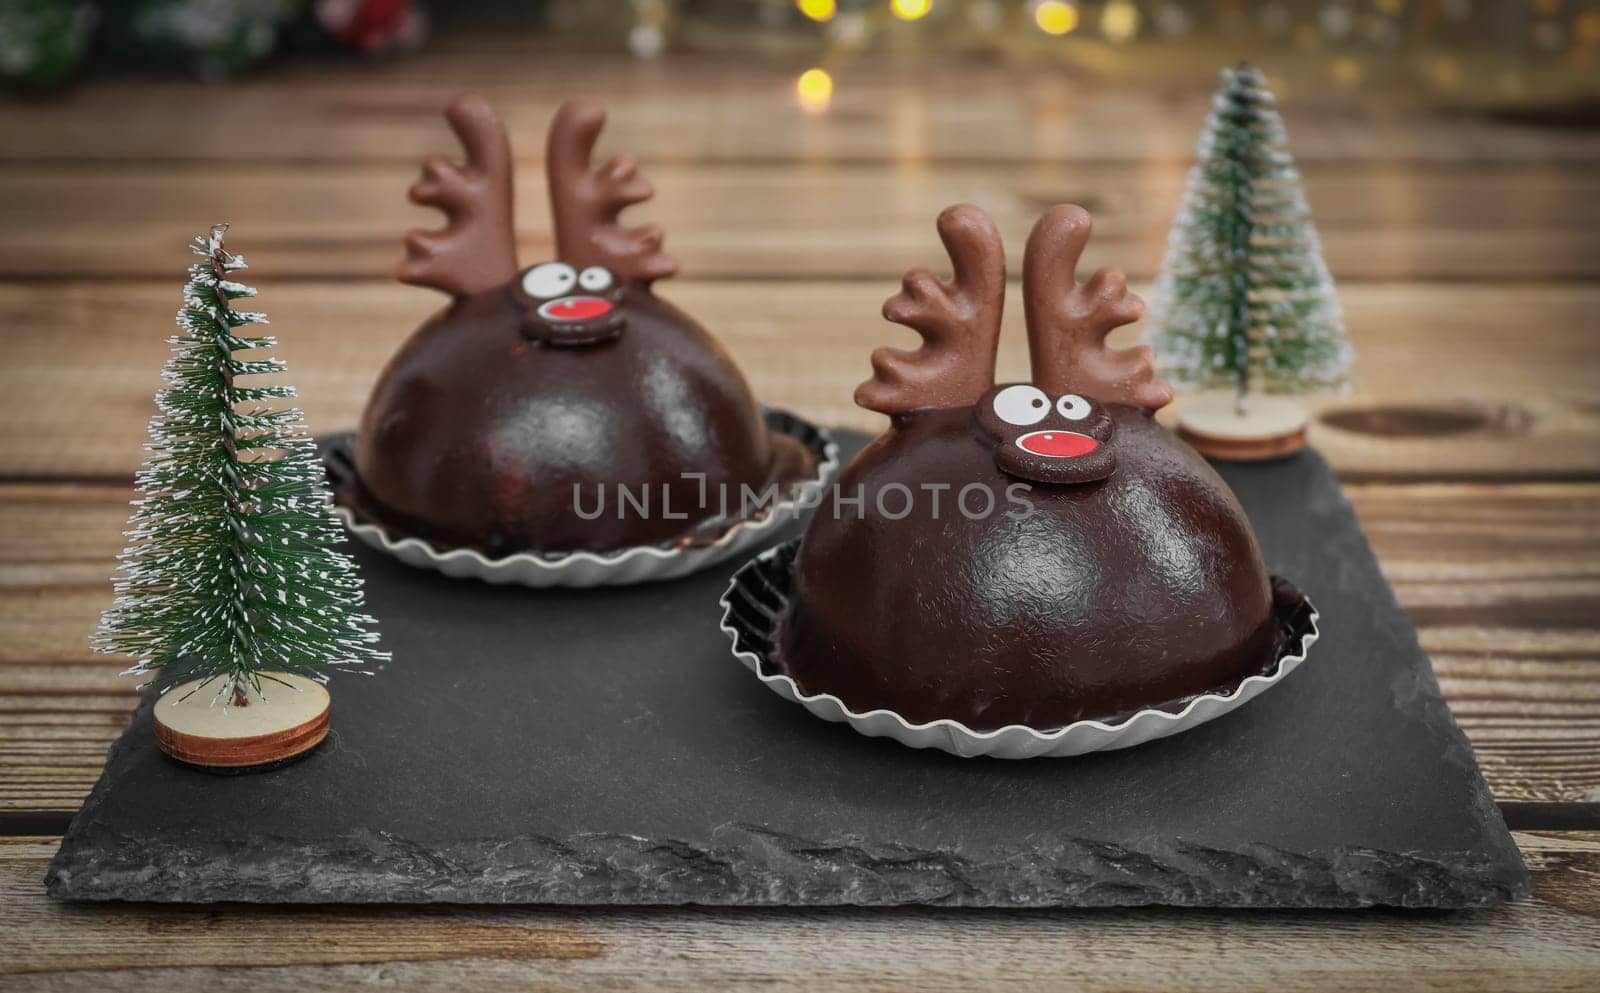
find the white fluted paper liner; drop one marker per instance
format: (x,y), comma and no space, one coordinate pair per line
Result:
(644,563)
(759,593)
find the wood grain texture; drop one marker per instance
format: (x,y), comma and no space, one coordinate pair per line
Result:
(289,718)
(1501,580)
(1548,942)
(79,411)
(785,220)
(1262,449)
(696,109)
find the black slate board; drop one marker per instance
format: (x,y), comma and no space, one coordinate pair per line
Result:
(604,747)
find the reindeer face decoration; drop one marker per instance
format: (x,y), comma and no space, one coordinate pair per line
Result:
(1046,439)
(567,307)
(1056,430)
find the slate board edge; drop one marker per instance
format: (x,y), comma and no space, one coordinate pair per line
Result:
(1424,687)
(748,870)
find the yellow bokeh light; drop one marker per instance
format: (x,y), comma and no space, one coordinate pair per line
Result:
(815,89)
(818,10)
(1391,7)
(1347,72)
(1446,73)
(1055,17)
(910,10)
(1119,21)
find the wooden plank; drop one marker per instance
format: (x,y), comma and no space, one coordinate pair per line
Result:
(1482,381)
(1547,942)
(80,946)
(1377,221)
(1503,581)
(693,108)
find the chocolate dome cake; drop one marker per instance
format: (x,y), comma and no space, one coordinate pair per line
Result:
(539,390)
(1027,554)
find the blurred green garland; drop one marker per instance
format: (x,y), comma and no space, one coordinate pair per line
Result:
(46,43)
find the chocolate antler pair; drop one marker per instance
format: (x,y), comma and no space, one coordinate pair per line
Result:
(959,322)
(477,249)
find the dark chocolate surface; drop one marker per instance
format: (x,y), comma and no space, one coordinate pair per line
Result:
(477,431)
(604,747)
(1093,600)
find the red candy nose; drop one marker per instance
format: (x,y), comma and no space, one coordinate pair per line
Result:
(575,309)
(1057,444)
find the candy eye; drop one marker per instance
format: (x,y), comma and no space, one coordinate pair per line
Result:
(549,279)
(1021,405)
(1073,408)
(594,279)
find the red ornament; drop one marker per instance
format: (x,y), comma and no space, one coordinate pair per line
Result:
(373,25)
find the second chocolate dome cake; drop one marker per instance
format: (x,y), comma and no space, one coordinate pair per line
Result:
(508,416)
(1032,553)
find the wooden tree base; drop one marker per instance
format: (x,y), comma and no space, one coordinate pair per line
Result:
(1273,428)
(200,731)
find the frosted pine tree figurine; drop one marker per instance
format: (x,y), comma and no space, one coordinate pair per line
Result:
(231,595)
(1244,307)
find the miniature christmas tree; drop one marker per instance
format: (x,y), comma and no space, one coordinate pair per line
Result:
(1244,302)
(231,578)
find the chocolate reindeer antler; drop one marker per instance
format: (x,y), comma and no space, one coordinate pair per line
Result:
(1068,321)
(959,322)
(584,203)
(477,249)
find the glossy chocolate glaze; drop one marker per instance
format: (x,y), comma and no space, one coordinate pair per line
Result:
(477,431)
(1138,590)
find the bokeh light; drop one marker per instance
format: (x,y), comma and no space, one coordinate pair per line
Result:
(1055,17)
(910,10)
(818,10)
(1445,73)
(1589,27)
(1119,21)
(1347,72)
(814,89)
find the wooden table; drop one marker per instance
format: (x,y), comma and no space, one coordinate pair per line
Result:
(1468,254)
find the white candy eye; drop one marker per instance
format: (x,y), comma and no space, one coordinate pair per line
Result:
(549,279)
(594,279)
(1073,408)
(1021,405)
